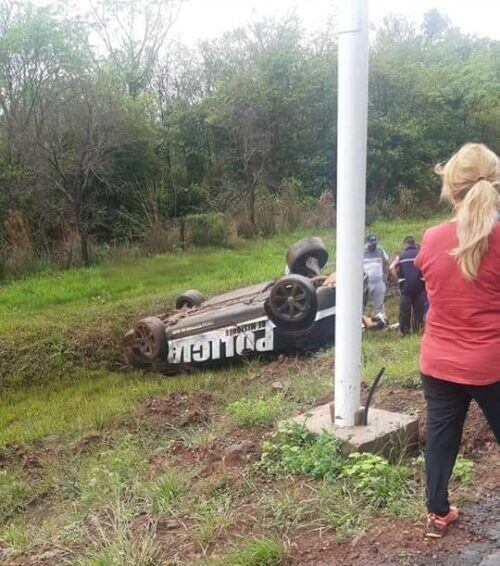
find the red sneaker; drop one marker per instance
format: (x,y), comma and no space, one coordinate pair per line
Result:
(436,525)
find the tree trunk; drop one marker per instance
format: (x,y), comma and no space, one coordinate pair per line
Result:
(251,198)
(84,246)
(182,222)
(250,191)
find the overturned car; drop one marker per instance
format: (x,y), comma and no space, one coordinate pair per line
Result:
(294,313)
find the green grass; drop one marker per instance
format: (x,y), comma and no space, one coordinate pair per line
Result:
(208,270)
(15,493)
(397,354)
(15,535)
(162,277)
(61,378)
(56,327)
(252,412)
(258,552)
(92,400)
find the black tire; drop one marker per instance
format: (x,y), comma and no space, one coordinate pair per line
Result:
(292,302)
(307,257)
(150,340)
(190,299)
(132,359)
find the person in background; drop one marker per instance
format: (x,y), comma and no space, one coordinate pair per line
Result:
(412,298)
(375,265)
(460,349)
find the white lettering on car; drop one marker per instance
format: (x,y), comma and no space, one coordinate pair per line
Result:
(201,351)
(228,342)
(254,336)
(179,350)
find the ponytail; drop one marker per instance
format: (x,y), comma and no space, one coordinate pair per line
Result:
(476,216)
(470,185)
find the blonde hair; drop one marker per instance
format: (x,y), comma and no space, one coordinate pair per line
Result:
(470,184)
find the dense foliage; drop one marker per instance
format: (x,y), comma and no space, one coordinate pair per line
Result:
(109,131)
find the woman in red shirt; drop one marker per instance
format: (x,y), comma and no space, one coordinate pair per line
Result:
(460,350)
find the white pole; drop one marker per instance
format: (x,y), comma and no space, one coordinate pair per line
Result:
(351,190)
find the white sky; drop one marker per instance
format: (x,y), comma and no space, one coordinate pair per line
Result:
(203,19)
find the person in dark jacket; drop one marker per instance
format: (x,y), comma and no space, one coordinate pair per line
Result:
(411,284)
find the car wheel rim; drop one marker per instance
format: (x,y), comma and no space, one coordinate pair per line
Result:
(290,301)
(145,341)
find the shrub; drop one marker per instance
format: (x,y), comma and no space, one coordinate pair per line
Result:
(375,479)
(294,450)
(371,479)
(209,229)
(463,472)
(406,200)
(290,207)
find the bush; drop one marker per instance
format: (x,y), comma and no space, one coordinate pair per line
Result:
(463,472)
(211,229)
(378,482)
(290,206)
(294,450)
(371,479)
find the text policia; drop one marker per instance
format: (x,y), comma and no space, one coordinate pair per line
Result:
(256,336)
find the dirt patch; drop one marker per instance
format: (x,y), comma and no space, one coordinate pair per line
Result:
(317,549)
(29,459)
(180,409)
(241,453)
(395,541)
(239,448)
(86,442)
(477,437)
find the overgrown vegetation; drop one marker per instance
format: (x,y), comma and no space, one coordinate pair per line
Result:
(294,450)
(55,323)
(146,141)
(90,475)
(370,478)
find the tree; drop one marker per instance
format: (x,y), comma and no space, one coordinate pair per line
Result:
(97,139)
(134,32)
(435,24)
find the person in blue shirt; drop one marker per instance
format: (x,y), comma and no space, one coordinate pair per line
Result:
(413,298)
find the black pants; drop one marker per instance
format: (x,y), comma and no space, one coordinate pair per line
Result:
(409,302)
(447,406)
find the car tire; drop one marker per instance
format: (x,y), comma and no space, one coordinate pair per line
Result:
(292,302)
(134,360)
(307,257)
(190,299)
(150,340)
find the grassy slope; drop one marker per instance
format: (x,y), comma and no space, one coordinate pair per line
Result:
(157,279)
(63,330)
(61,376)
